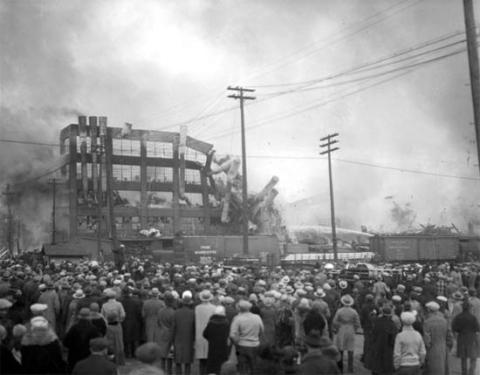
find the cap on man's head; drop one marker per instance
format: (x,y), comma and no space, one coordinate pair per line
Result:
(5,304)
(98,344)
(38,308)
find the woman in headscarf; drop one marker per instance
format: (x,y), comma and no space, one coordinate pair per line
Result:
(345,324)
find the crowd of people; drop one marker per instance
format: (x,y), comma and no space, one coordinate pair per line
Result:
(91,318)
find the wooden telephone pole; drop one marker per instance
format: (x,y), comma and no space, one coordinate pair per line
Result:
(471,31)
(240,95)
(8,194)
(328,146)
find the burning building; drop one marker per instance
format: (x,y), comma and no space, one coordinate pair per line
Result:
(144,187)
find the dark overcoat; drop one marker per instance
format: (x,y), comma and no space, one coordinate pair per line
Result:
(216,333)
(41,354)
(95,365)
(383,341)
(466,326)
(133,322)
(184,334)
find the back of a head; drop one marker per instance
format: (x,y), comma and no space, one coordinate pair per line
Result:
(148,353)
(94,307)
(98,344)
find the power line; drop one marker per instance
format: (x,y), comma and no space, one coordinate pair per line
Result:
(313,106)
(308,108)
(366,164)
(338,37)
(32,179)
(372,65)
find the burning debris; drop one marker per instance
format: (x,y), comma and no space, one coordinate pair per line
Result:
(263,216)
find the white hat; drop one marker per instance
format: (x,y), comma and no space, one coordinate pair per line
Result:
(37,308)
(343,284)
(219,310)
(5,304)
(396,298)
(432,306)
(39,322)
(187,295)
(304,303)
(408,318)
(442,298)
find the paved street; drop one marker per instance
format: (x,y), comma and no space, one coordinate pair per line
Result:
(358,367)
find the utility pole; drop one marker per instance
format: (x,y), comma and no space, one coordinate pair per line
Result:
(8,194)
(470,29)
(328,146)
(240,95)
(53,182)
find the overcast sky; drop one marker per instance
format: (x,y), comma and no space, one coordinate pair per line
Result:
(159,63)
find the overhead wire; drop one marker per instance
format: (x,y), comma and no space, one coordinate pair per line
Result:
(365,23)
(337,37)
(44,174)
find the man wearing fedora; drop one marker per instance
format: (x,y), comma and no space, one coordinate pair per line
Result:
(345,324)
(77,339)
(203,312)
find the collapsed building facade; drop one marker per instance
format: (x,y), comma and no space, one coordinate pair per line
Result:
(138,186)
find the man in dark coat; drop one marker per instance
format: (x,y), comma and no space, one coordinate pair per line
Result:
(216,333)
(132,325)
(96,363)
(383,341)
(368,314)
(77,339)
(314,319)
(41,351)
(315,361)
(466,326)
(184,334)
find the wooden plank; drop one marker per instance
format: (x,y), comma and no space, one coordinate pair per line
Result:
(198,145)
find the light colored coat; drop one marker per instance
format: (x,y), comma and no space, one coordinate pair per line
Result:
(437,337)
(50,298)
(346,322)
(203,312)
